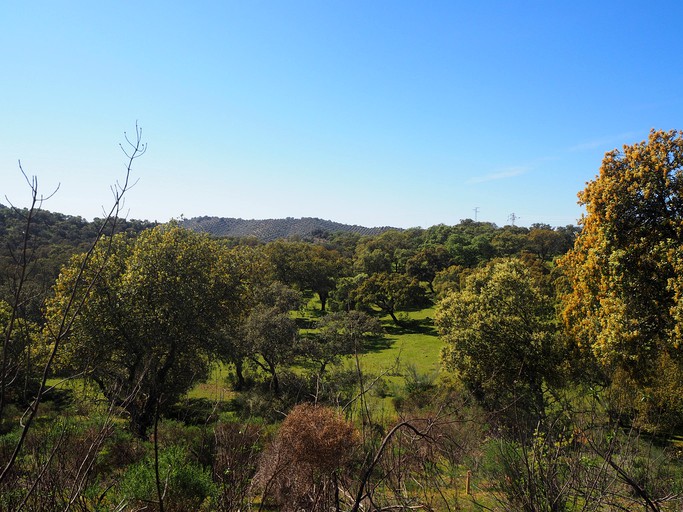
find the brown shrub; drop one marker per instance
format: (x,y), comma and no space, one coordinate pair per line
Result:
(237,448)
(302,469)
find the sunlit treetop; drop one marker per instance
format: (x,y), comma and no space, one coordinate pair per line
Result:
(624,273)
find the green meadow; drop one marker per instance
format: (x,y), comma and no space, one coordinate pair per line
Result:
(414,347)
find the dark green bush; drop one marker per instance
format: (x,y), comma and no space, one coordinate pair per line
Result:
(186,485)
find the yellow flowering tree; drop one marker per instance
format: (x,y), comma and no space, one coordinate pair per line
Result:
(623,302)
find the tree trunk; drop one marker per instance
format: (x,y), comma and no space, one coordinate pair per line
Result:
(142,417)
(241,383)
(274,381)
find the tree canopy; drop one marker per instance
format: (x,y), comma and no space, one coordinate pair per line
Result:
(152,321)
(624,270)
(623,301)
(390,292)
(500,335)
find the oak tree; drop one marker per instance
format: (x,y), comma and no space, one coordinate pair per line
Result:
(426,263)
(623,273)
(623,299)
(152,318)
(306,265)
(270,333)
(500,336)
(340,333)
(390,293)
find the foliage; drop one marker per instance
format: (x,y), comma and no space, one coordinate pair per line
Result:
(238,448)
(500,336)
(344,297)
(309,266)
(546,243)
(582,461)
(510,241)
(427,263)
(417,391)
(372,261)
(267,335)
(187,486)
(152,319)
(255,274)
(339,334)
(387,252)
(52,239)
(272,335)
(449,279)
(391,292)
(322,267)
(21,355)
(623,300)
(470,242)
(285,258)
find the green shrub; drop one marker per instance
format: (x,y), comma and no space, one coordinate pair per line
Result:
(185,485)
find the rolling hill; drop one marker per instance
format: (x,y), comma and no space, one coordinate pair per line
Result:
(271,229)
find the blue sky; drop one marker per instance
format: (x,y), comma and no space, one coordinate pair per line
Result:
(364,112)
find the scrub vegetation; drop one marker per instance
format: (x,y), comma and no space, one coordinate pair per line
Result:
(463,367)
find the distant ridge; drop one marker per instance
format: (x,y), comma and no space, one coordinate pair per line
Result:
(272,229)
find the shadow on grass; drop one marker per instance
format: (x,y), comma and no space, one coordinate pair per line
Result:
(306,323)
(411,326)
(376,344)
(199,411)
(60,398)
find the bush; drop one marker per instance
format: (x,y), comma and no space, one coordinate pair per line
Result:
(186,486)
(301,470)
(418,390)
(237,449)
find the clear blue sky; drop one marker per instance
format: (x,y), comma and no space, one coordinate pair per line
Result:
(379,112)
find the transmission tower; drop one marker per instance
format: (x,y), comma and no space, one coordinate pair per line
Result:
(476,211)
(512,218)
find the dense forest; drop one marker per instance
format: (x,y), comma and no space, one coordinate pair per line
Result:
(455,367)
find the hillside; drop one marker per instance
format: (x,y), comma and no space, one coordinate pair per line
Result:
(271,229)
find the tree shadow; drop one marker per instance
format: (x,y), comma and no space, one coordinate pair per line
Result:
(61,398)
(304,322)
(376,344)
(199,411)
(411,326)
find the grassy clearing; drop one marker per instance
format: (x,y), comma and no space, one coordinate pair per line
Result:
(216,388)
(416,344)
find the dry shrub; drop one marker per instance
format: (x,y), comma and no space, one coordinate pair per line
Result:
(303,467)
(59,466)
(237,449)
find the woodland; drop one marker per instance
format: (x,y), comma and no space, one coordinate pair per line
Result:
(469,367)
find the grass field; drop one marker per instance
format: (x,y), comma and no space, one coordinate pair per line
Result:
(414,345)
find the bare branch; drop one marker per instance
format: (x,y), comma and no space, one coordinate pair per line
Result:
(137,149)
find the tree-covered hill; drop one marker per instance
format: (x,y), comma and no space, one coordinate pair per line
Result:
(58,228)
(53,239)
(272,229)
